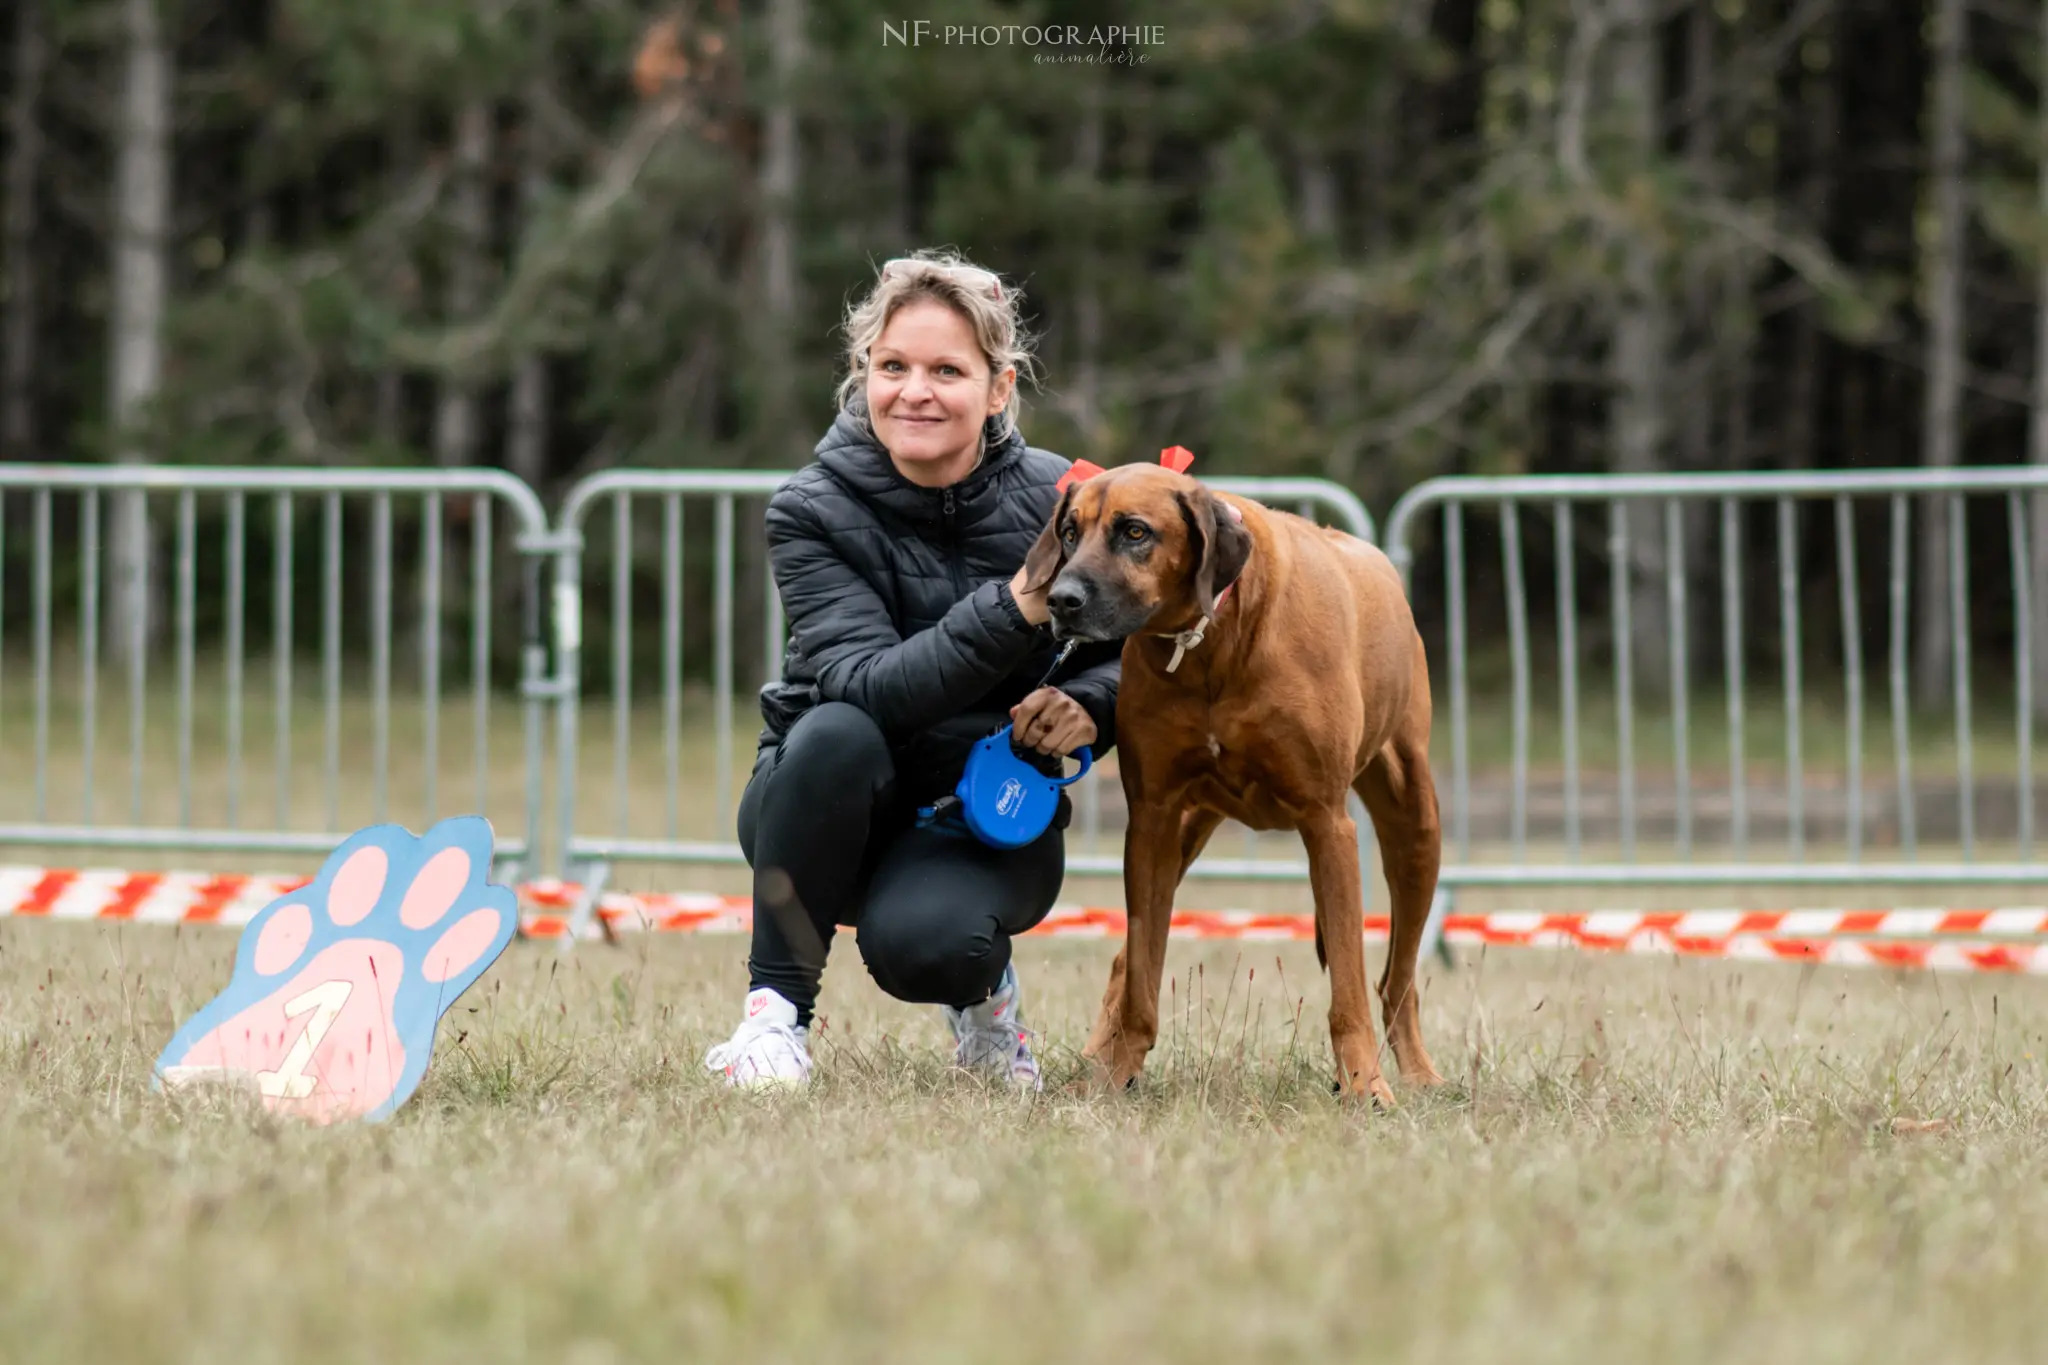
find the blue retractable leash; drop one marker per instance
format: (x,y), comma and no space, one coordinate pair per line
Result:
(1005,802)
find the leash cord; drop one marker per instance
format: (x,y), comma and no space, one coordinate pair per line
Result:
(1058,659)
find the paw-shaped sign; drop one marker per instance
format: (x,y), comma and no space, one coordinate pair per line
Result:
(338,986)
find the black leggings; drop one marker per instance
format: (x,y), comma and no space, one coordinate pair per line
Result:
(832,841)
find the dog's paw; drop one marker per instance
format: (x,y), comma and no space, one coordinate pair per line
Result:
(1375,1092)
(338,986)
(1096,1077)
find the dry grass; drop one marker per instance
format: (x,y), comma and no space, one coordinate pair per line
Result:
(1678,1161)
(1637,1160)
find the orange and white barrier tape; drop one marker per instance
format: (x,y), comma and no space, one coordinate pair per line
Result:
(146,897)
(680,912)
(1935,939)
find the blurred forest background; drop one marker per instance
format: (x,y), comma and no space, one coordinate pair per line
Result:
(1367,240)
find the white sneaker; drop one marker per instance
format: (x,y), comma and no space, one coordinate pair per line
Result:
(991,1036)
(768,1049)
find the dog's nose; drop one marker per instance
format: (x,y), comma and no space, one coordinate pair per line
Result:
(1066,596)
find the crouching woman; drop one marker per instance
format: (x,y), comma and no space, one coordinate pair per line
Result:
(898,555)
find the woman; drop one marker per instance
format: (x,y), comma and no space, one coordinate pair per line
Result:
(899,557)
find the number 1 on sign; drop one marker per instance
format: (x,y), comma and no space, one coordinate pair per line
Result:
(290,1081)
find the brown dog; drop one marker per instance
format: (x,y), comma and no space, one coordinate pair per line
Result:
(1270,666)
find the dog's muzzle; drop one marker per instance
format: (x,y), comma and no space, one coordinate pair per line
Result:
(1084,609)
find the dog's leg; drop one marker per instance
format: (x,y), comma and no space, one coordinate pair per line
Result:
(1129,1022)
(1196,825)
(1400,794)
(1332,842)
(1110,1015)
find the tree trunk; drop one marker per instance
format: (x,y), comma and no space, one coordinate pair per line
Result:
(1380,140)
(141,212)
(779,174)
(1639,355)
(2038,434)
(1706,365)
(1378,148)
(1696,439)
(1088,313)
(24,162)
(897,176)
(387,422)
(1330,350)
(469,209)
(1808,418)
(1454,99)
(779,182)
(387,413)
(527,417)
(1941,415)
(1317,190)
(1810,126)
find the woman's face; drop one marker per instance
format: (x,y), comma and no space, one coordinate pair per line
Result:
(929,390)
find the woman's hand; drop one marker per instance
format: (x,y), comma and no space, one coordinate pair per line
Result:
(1051,722)
(1032,604)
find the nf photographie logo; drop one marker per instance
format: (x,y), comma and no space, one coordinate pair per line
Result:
(1098,44)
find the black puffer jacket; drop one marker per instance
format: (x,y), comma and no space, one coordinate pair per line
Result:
(898,601)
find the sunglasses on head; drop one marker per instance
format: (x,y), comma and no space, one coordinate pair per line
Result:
(972,276)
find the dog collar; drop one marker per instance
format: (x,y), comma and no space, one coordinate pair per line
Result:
(1185,640)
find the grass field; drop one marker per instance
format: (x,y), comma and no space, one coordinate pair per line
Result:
(1671,1160)
(1636,1160)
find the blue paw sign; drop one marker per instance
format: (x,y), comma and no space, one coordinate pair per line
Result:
(338,986)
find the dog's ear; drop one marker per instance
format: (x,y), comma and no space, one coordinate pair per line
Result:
(1049,553)
(1218,545)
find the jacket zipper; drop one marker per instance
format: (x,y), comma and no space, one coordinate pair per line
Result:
(953,564)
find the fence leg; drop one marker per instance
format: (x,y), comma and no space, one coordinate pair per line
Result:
(1433,940)
(508,871)
(592,881)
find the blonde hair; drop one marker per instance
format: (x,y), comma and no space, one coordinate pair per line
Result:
(990,308)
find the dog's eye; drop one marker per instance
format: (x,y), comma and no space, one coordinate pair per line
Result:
(1135,532)
(1069,535)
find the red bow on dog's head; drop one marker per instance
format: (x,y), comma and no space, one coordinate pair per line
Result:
(1081,471)
(1176,458)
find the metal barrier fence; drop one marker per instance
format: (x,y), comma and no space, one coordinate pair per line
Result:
(397,582)
(173,545)
(1840,830)
(652,812)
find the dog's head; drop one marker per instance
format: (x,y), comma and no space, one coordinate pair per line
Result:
(1136,547)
